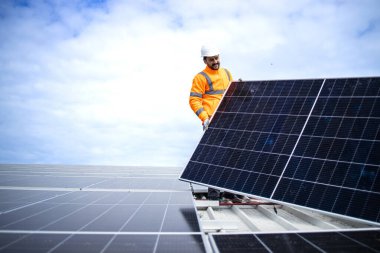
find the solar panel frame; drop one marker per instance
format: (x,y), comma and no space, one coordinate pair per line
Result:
(226,165)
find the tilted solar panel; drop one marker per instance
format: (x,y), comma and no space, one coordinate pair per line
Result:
(312,143)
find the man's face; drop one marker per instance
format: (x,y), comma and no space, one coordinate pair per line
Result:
(212,62)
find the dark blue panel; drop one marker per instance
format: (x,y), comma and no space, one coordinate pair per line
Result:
(351,241)
(323,141)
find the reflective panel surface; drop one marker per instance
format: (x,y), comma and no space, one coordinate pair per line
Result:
(96,209)
(312,143)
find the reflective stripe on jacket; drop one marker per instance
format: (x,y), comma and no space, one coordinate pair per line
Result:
(207,91)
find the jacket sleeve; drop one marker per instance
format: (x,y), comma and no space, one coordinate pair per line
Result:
(195,100)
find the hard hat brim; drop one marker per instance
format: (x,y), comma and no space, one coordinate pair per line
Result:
(209,51)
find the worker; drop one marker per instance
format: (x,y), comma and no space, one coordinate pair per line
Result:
(209,85)
(206,92)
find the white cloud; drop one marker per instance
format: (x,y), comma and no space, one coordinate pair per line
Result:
(108,83)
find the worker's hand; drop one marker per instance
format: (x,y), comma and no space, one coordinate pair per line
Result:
(205,124)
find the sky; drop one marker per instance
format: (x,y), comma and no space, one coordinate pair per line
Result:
(99,82)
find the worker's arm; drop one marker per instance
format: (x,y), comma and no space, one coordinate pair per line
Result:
(195,100)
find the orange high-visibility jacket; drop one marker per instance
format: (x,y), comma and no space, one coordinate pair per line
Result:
(207,91)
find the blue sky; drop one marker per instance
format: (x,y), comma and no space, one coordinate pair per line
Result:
(107,82)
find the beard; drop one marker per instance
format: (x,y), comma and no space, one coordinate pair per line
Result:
(215,66)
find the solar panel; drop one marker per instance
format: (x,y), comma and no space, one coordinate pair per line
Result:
(89,209)
(331,241)
(52,242)
(312,143)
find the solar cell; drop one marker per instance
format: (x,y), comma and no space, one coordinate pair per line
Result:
(312,143)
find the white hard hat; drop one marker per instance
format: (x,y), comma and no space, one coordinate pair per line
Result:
(209,51)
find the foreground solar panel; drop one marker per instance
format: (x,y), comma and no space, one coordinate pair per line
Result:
(96,209)
(312,143)
(343,241)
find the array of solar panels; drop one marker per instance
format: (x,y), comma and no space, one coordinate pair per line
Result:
(343,241)
(94,209)
(312,143)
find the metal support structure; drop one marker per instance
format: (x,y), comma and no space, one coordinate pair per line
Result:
(211,213)
(310,219)
(283,222)
(245,218)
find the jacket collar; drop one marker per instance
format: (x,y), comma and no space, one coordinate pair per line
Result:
(210,70)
